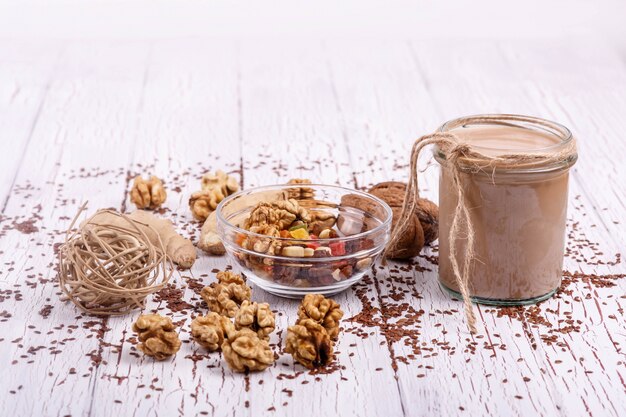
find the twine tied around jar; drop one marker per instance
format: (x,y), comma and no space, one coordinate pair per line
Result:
(460,157)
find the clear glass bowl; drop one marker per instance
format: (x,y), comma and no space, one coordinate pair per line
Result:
(362,228)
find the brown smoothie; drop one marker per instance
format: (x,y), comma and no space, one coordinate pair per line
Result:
(518,217)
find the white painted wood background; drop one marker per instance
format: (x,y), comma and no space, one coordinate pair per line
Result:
(76,117)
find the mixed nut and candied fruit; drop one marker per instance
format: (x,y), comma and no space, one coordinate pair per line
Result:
(296,242)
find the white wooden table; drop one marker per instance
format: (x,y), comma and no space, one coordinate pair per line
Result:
(77,119)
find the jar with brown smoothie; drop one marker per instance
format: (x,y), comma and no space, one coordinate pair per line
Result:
(517,212)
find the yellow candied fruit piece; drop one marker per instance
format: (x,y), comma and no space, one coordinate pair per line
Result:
(299,234)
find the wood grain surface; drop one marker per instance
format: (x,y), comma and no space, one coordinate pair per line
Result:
(78,119)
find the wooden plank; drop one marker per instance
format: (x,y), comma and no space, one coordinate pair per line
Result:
(291,122)
(82,136)
(446,80)
(188,126)
(25,71)
(251,95)
(340,112)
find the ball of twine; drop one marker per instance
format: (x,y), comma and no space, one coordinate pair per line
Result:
(108,269)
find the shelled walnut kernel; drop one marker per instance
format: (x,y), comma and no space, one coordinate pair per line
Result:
(209,331)
(322,310)
(280,213)
(226,295)
(243,351)
(148,194)
(215,188)
(300,193)
(309,344)
(157,336)
(257,317)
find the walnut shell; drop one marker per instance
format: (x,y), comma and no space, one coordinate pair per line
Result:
(428,213)
(309,344)
(243,351)
(209,331)
(411,242)
(257,317)
(323,310)
(157,336)
(349,222)
(391,192)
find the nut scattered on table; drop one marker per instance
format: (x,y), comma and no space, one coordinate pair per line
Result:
(226,295)
(309,344)
(215,188)
(243,351)
(427,212)
(221,181)
(209,331)
(148,194)
(157,336)
(322,310)
(423,227)
(257,317)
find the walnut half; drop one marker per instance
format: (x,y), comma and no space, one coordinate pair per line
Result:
(323,310)
(157,336)
(243,351)
(226,295)
(257,317)
(309,344)
(147,194)
(215,188)
(209,331)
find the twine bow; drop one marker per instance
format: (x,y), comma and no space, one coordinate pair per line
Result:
(459,157)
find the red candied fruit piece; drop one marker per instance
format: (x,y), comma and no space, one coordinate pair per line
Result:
(313,245)
(337,248)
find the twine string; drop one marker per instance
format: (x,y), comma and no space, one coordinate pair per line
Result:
(109,269)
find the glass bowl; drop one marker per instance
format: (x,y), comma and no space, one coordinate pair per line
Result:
(344,233)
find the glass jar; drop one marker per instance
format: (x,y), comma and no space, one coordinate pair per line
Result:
(518,213)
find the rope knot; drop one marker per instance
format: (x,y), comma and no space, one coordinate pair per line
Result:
(462,149)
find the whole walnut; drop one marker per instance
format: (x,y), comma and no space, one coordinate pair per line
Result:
(226,295)
(412,240)
(257,317)
(309,344)
(209,331)
(393,192)
(147,194)
(351,222)
(243,351)
(323,310)
(157,336)
(428,213)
